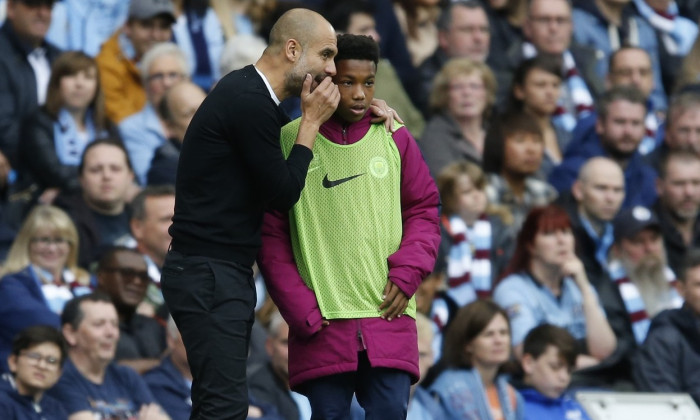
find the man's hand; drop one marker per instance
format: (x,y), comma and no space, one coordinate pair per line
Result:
(318,105)
(382,112)
(395,302)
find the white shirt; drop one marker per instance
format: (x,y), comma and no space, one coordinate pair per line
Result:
(42,71)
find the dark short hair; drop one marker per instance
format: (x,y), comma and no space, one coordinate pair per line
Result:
(684,155)
(100,142)
(445,19)
(545,62)
(107,257)
(357,47)
(545,335)
(503,127)
(73,312)
(339,12)
(36,335)
(691,259)
(138,204)
(620,93)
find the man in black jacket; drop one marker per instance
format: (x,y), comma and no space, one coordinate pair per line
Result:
(25,67)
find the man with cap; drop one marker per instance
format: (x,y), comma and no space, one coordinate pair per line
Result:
(149,22)
(638,268)
(25,67)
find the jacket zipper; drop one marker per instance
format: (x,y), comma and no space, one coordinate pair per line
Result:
(361,338)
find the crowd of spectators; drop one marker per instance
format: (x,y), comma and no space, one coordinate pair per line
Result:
(563,136)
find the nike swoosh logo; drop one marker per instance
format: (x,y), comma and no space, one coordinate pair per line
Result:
(327,183)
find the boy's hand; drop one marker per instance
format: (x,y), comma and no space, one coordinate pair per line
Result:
(395,302)
(382,112)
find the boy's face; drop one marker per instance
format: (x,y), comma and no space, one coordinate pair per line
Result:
(549,374)
(355,80)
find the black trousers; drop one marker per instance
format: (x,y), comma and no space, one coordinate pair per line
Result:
(212,302)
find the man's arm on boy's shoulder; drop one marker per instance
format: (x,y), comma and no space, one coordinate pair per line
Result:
(415,258)
(296,302)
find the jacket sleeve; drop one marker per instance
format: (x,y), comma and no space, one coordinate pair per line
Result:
(420,201)
(9,124)
(296,302)
(657,368)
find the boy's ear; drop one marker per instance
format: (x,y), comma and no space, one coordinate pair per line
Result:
(528,363)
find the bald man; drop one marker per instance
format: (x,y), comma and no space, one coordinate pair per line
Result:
(231,170)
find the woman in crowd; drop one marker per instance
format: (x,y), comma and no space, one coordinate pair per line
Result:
(463,96)
(418,20)
(535,90)
(476,347)
(40,274)
(548,284)
(73,116)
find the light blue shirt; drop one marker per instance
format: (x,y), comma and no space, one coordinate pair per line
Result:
(602,244)
(142,134)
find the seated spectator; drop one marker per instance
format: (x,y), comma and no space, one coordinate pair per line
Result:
(548,284)
(678,206)
(462,99)
(418,21)
(549,356)
(506,18)
(682,128)
(99,210)
(92,386)
(36,363)
(149,22)
(477,235)
(123,276)
(669,359)
(55,136)
(638,268)
(536,89)
(463,32)
(163,66)
(25,67)
(609,26)
(674,33)
(40,275)
(422,405)
(198,33)
(512,157)
(84,25)
(618,133)
(176,110)
(476,346)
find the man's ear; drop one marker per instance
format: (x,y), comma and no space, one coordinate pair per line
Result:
(577,190)
(292,50)
(528,363)
(69,334)
(12,363)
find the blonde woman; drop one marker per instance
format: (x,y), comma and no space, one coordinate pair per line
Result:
(40,274)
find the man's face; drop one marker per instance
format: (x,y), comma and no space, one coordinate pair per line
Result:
(151,233)
(690,289)
(144,34)
(316,59)
(183,102)
(125,279)
(601,194)
(363,24)
(277,348)
(355,80)
(548,26)
(632,67)
(97,335)
(30,22)
(645,249)
(106,177)
(468,34)
(623,128)
(549,374)
(36,369)
(683,131)
(679,190)
(163,73)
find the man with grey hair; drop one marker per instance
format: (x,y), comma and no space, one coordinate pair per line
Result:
(162,67)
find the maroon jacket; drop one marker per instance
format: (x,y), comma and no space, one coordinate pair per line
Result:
(316,352)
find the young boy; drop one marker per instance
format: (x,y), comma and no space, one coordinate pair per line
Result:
(549,356)
(344,264)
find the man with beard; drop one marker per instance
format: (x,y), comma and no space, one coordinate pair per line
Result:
(638,268)
(678,206)
(618,132)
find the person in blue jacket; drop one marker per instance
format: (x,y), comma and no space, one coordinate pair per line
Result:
(36,364)
(549,356)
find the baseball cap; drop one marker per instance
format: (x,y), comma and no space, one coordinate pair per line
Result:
(147,9)
(630,222)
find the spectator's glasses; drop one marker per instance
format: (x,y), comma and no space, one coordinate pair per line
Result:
(161,77)
(128,273)
(34,358)
(47,240)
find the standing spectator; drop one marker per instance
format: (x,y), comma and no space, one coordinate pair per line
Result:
(548,284)
(163,66)
(669,359)
(40,275)
(99,210)
(92,385)
(477,345)
(462,99)
(25,68)
(36,363)
(56,135)
(512,157)
(678,206)
(149,22)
